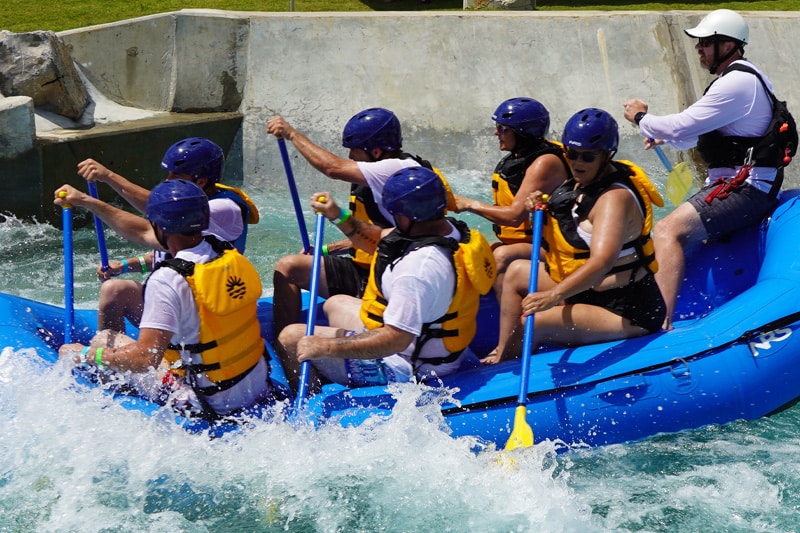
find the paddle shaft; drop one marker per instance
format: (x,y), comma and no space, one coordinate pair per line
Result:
(98,228)
(663,157)
(305,367)
(533,282)
(69,298)
(298,210)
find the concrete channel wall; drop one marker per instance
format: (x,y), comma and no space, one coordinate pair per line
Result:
(442,73)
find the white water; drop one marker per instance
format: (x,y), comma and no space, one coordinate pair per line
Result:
(72,460)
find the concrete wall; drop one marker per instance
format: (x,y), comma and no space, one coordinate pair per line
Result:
(442,73)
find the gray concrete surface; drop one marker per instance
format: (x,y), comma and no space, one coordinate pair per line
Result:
(442,73)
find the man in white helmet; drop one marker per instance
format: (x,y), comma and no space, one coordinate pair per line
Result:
(727,124)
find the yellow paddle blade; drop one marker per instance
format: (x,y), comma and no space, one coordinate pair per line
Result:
(679,181)
(522,434)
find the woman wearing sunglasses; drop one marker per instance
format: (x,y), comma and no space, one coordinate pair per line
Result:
(532,164)
(732,117)
(596,281)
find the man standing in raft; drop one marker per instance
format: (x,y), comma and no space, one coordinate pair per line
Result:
(418,313)
(734,130)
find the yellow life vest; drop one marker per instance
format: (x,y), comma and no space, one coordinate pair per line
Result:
(226,291)
(475,270)
(506,181)
(565,250)
(252,211)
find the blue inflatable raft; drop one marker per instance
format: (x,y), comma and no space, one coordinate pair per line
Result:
(733,354)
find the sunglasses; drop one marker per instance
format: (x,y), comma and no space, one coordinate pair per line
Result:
(588,156)
(501,129)
(706,41)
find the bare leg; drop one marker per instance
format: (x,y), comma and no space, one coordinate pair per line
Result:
(343,311)
(292,275)
(515,287)
(671,237)
(504,255)
(286,349)
(119,299)
(511,332)
(579,324)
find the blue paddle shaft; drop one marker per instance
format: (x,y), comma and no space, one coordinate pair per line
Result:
(298,210)
(98,228)
(663,158)
(302,387)
(69,305)
(533,283)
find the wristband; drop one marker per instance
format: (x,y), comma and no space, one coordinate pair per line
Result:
(125,266)
(324,249)
(83,354)
(143,264)
(98,358)
(637,118)
(344,216)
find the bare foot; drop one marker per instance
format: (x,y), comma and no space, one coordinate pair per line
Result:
(492,359)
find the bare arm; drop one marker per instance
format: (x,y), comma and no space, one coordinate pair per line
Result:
(544,174)
(361,234)
(611,219)
(129,226)
(372,344)
(324,161)
(134,194)
(138,356)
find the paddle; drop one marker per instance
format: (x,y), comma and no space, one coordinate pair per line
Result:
(522,434)
(679,178)
(305,368)
(69,300)
(298,210)
(98,228)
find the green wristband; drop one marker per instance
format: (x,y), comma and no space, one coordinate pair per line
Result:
(98,358)
(324,249)
(143,264)
(344,216)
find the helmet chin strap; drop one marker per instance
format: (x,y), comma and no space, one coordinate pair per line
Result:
(720,60)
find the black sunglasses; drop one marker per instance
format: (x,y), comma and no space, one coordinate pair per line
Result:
(705,41)
(501,129)
(588,156)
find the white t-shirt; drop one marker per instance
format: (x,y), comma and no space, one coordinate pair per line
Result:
(170,306)
(225,221)
(419,290)
(736,105)
(377,173)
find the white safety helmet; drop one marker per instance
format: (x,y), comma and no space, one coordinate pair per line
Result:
(723,22)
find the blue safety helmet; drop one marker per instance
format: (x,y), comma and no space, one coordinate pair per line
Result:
(415,192)
(373,128)
(525,116)
(591,129)
(178,206)
(196,157)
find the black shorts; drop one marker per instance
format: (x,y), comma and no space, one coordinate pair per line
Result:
(640,302)
(344,276)
(743,207)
